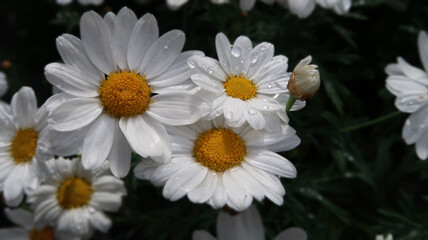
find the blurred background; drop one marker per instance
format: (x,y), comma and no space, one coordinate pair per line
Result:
(356,176)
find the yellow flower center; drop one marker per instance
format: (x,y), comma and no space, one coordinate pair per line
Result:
(74,192)
(240,87)
(24,145)
(46,233)
(219,149)
(124,94)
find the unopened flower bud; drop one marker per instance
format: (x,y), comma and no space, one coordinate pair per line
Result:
(305,80)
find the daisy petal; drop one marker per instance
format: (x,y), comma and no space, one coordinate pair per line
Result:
(142,136)
(246,5)
(415,126)
(239,57)
(238,198)
(202,235)
(106,201)
(70,80)
(410,103)
(260,55)
(178,109)
(207,66)
(271,162)
(410,71)
(162,53)
(74,114)
(98,142)
(20,217)
(278,64)
(184,181)
(207,83)
(401,85)
(14,233)
(177,73)
(120,154)
(109,184)
(109,19)
(72,53)
(422,146)
(124,24)
(144,34)
(24,107)
(13,191)
(100,221)
(233,110)
(204,190)
(97,41)
(293,233)
(423,48)
(222,45)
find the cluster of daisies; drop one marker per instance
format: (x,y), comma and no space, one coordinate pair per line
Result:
(206,128)
(301,8)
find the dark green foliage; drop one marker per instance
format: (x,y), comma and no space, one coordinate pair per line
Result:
(355,180)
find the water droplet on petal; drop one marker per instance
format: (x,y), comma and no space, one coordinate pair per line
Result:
(269,85)
(191,63)
(254,58)
(262,49)
(210,70)
(265,107)
(236,51)
(251,111)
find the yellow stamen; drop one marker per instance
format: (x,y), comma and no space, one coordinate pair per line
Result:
(219,149)
(74,192)
(46,233)
(124,94)
(24,145)
(240,87)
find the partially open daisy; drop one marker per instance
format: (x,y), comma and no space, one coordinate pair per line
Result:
(410,85)
(246,85)
(123,82)
(246,225)
(219,165)
(73,199)
(26,228)
(26,141)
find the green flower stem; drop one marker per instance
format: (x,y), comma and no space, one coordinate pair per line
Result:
(290,103)
(369,123)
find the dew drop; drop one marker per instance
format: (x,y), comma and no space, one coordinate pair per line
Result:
(191,63)
(269,85)
(210,70)
(251,111)
(166,46)
(265,107)
(263,48)
(254,58)
(236,51)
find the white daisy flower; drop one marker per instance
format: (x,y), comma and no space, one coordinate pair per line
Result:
(304,8)
(82,2)
(24,142)
(246,85)
(381,237)
(246,225)
(26,229)
(73,199)
(410,85)
(123,82)
(215,164)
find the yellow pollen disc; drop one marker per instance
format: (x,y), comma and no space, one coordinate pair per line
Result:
(219,149)
(124,94)
(74,192)
(46,233)
(240,87)
(24,145)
